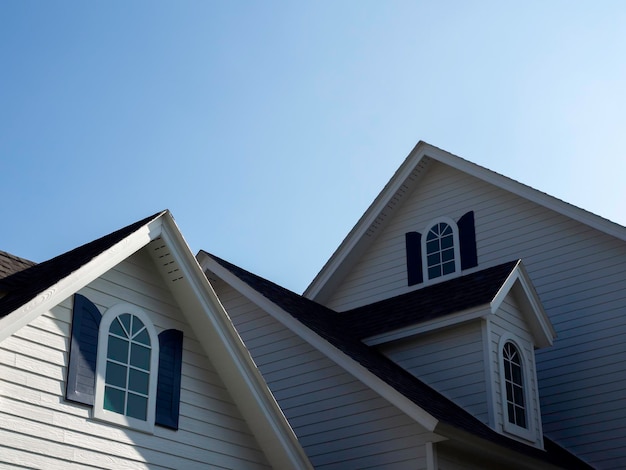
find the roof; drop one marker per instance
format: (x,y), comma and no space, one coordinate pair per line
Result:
(10,264)
(339,330)
(402,184)
(24,285)
(428,303)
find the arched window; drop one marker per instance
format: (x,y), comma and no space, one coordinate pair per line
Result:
(440,249)
(127,376)
(128,353)
(440,257)
(514,385)
(447,247)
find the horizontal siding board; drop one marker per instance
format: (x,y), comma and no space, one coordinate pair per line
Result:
(451,361)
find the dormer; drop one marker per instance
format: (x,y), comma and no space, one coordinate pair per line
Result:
(472,338)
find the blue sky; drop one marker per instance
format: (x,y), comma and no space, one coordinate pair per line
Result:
(267,128)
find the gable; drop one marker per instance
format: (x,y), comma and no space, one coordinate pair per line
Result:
(507,227)
(35,292)
(212,430)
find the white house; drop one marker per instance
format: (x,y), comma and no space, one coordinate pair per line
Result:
(118,354)
(466,321)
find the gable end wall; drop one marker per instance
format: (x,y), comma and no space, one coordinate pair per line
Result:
(40,429)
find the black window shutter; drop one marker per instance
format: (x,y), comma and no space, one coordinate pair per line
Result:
(467,241)
(168,385)
(81,375)
(414,258)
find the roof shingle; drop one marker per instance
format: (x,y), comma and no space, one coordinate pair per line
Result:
(11,264)
(438,300)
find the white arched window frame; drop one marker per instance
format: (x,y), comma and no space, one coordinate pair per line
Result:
(511,423)
(436,252)
(136,392)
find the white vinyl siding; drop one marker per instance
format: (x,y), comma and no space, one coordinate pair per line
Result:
(451,361)
(40,429)
(340,422)
(579,274)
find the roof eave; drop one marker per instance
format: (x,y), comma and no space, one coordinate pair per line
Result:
(361,373)
(232,360)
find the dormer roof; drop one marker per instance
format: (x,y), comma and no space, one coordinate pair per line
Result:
(457,300)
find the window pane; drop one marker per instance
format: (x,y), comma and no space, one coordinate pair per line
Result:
(113,400)
(138,381)
(448,268)
(434,271)
(118,349)
(137,325)
(116,328)
(143,338)
(140,356)
(125,321)
(511,413)
(447,255)
(434,259)
(137,407)
(517,374)
(520,417)
(447,242)
(519,395)
(116,375)
(432,246)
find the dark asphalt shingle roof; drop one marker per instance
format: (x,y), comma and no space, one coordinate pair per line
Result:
(338,330)
(10,264)
(455,295)
(24,285)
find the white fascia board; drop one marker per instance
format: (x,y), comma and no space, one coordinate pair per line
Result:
(452,319)
(534,312)
(222,343)
(351,366)
(78,279)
